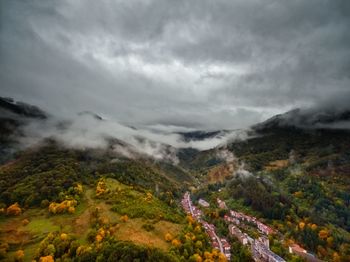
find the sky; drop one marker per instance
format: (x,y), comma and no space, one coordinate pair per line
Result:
(184,65)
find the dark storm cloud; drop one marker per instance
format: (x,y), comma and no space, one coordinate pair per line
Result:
(199,64)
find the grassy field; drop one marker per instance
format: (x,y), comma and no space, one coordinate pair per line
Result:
(141,208)
(133,231)
(126,200)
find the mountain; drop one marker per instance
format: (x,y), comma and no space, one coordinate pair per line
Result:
(308,119)
(118,197)
(294,171)
(20,108)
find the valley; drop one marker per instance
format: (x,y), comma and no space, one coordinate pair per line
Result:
(281,194)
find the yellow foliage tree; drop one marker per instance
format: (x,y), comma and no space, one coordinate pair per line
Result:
(336,257)
(208,256)
(176,243)
(71,210)
(168,237)
(330,241)
(197,258)
(25,222)
(99,238)
(302,225)
(64,206)
(148,197)
(78,189)
(101,187)
(52,208)
(298,194)
(102,232)
(323,234)
(19,255)
(64,236)
(47,259)
(14,210)
(124,218)
(83,249)
(313,226)
(222,258)
(190,219)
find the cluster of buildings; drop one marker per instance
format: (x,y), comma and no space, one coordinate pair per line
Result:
(238,217)
(260,247)
(217,242)
(261,251)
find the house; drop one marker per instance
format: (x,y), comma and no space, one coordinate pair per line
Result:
(203,203)
(221,203)
(262,252)
(296,249)
(235,231)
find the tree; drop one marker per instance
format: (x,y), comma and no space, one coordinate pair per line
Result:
(46,259)
(124,218)
(323,234)
(196,258)
(19,255)
(176,243)
(71,210)
(64,237)
(168,237)
(14,210)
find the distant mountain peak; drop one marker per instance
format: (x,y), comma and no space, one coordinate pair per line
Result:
(308,119)
(20,108)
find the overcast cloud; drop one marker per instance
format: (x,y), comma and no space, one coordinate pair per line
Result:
(194,64)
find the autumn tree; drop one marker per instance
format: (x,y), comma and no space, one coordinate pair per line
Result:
(124,218)
(168,237)
(46,259)
(19,255)
(14,210)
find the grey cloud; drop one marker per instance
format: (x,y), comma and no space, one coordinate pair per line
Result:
(196,64)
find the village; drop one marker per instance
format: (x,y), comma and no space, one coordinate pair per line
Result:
(217,242)
(260,247)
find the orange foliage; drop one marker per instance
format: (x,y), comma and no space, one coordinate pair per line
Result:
(25,222)
(197,258)
(176,243)
(222,258)
(124,218)
(190,219)
(19,255)
(14,210)
(168,237)
(323,234)
(99,238)
(64,206)
(298,194)
(101,188)
(47,259)
(336,257)
(78,189)
(64,236)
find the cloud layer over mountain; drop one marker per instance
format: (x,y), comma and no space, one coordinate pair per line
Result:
(194,64)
